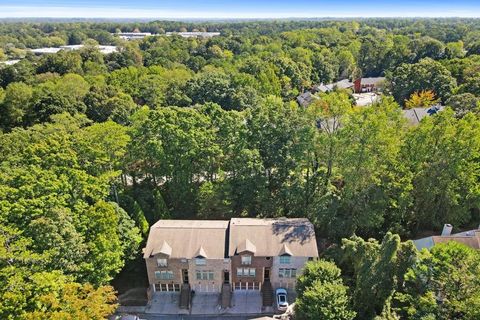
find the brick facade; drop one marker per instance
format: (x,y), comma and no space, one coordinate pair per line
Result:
(218,266)
(258,263)
(174,265)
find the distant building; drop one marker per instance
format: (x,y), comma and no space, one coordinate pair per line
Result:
(194,34)
(342,84)
(132,35)
(470,238)
(102,49)
(306,98)
(41,51)
(9,62)
(361,85)
(368,84)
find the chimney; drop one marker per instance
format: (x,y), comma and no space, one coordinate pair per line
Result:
(447,229)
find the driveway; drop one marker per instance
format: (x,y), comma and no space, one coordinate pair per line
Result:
(165,303)
(246,302)
(206,303)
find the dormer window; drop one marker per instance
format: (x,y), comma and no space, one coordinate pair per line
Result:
(285,259)
(200,261)
(246,260)
(161,262)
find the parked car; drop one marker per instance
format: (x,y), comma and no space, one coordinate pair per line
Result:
(281,298)
(124,317)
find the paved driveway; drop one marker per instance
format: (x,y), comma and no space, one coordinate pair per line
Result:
(165,303)
(206,303)
(243,303)
(246,302)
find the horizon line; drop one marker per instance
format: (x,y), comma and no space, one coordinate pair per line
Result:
(243,17)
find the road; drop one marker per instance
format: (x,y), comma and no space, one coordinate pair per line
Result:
(196,317)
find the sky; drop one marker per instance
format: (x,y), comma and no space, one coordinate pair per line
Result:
(212,9)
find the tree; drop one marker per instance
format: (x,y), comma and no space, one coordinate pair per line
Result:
(422,99)
(62,63)
(321,271)
(424,75)
(463,103)
(327,301)
(20,72)
(321,293)
(427,47)
(361,165)
(15,105)
(443,284)
(471,85)
(455,50)
(178,146)
(441,156)
(378,271)
(54,191)
(47,103)
(27,292)
(106,102)
(219,88)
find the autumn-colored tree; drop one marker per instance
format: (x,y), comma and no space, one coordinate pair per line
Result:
(421,99)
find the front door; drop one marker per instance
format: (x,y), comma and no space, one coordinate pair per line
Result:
(266,274)
(226,277)
(185,276)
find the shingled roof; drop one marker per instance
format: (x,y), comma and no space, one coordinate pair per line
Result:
(187,239)
(273,237)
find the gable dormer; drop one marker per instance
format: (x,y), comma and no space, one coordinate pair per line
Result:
(285,255)
(246,245)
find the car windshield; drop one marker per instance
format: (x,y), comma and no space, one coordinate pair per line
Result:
(281,298)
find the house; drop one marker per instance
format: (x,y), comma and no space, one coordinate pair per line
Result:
(368,84)
(187,252)
(470,238)
(269,250)
(415,115)
(240,254)
(342,84)
(306,98)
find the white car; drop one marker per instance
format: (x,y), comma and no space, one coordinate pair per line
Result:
(125,317)
(281,298)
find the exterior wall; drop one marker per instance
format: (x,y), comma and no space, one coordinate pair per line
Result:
(175,265)
(259,263)
(286,283)
(218,266)
(357,86)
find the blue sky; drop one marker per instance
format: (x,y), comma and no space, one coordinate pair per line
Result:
(238,8)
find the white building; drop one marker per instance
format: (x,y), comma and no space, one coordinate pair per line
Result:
(132,35)
(194,34)
(102,49)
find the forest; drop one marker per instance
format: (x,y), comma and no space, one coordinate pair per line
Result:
(95,148)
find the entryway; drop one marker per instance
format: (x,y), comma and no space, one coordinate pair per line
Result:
(266,274)
(185,276)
